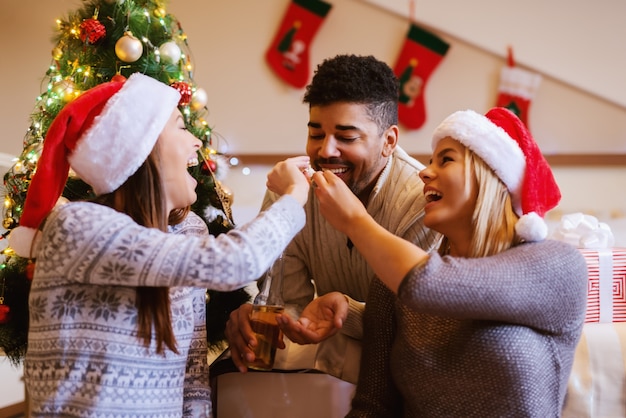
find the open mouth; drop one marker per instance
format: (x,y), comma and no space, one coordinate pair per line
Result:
(333,169)
(192,162)
(432,196)
(337,171)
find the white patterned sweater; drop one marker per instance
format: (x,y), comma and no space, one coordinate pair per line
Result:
(84,358)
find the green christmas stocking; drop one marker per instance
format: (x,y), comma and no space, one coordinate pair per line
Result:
(420,55)
(288,55)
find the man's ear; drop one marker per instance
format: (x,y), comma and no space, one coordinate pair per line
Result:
(390,138)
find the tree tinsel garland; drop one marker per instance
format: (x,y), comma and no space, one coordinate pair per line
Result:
(81,61)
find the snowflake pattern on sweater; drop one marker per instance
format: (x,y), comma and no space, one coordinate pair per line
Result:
(84,358)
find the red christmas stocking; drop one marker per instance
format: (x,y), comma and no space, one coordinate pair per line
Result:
(420,55)
(517,88)
(288,55)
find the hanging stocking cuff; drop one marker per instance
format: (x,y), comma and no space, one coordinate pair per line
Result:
(319,7)
(428,40)
(518,82)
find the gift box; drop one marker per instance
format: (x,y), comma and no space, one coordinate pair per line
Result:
(606,299)
(606,290)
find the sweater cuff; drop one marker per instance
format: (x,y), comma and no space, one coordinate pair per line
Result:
(353,325)
(291,211)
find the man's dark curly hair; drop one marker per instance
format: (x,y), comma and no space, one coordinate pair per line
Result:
(357,79)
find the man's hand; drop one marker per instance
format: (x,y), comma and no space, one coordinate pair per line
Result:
(321,319)
(241,337)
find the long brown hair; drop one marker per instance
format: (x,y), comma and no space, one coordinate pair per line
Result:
(142,198)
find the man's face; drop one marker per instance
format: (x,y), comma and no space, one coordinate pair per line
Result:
(344,139)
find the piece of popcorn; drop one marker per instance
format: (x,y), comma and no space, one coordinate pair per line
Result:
(308,171)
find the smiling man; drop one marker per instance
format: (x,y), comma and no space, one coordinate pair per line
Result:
(353,132)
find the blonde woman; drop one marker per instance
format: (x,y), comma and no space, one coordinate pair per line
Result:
(487,326)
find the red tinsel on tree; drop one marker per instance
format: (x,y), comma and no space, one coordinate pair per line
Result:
(185,92)
(91,31)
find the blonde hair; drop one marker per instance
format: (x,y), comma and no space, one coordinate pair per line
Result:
(494,218)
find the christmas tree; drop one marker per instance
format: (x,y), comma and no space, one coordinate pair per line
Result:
(103,40)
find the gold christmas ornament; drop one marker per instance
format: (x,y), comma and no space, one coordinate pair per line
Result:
(8,223)
(128,48)
(57,53)
(66,90)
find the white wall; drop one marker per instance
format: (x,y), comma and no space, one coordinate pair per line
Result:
(563,38)
(11,384)
(257,113)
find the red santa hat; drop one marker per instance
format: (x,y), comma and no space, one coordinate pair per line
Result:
(505,144)
(104,135)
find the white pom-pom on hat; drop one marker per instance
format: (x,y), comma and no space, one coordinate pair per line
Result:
(504,143)
(531,227)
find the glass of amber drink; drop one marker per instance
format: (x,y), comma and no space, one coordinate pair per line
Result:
(263,323)
(267,304)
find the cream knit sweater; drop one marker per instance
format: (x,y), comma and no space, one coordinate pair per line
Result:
(319,259)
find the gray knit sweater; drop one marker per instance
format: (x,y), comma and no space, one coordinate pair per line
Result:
(481,337)
(84,358)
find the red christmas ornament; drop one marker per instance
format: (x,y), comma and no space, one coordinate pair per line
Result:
(5,313)
(209,166)
(118,78)
(185,92)
(91,31)
(30,270)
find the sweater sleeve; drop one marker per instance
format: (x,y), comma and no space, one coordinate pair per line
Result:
(92,243)
(541,285)
(197,391)
(376,395)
